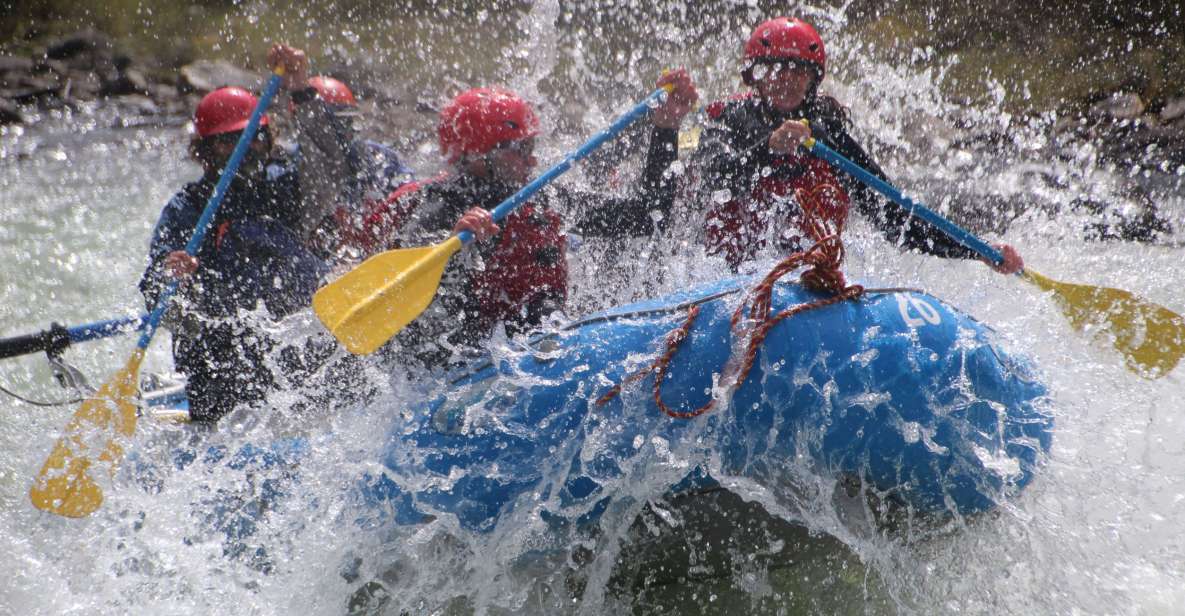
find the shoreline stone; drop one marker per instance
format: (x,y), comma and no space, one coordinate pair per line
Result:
(205,76)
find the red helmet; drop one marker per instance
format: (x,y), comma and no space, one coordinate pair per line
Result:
(225,110)
(333,91)
(784,38)
(480,119)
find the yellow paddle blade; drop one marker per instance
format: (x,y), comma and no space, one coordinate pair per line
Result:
(366,307)
(63,486)
(1151,337)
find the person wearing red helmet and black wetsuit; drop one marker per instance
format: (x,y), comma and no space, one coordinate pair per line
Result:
(515,273)
(759,181)
(254,255)
(351,175)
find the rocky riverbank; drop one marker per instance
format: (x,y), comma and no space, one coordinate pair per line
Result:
(87,68)
(1140,121)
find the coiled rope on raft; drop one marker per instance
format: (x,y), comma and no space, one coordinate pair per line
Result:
(824,275)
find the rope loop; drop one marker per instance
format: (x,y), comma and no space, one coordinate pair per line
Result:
(823,276)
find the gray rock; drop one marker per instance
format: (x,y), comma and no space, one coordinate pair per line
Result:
(28,88)
(53,67)
(1173,110)
(80,42)
(15,64)
(1070,125)
(130,81)
(82,86)
(205,76)
(10,113)
(163,92)
(137,104)
(87,50)
(1120,106)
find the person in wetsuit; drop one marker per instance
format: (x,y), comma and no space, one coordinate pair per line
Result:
(756,185)
(349,177)
(514,273)
(255,255)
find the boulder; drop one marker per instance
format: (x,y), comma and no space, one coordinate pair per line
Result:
(15,64)
(205,75)
(10,113)
(82,86)
(87,50)
(1119,106)
(1173,110)
(80,42)
(132,106)
(163,92)
(130,81)
(25,88)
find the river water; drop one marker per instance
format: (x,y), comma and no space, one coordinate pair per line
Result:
(1098,532)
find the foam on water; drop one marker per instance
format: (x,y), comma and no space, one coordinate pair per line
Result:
(1098,531)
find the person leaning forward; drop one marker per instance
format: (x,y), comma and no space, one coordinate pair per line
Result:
(515,273)
(761,184)
(254,256)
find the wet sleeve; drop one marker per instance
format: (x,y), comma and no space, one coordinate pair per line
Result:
(330,165)
(389,170)
(172,232)
(893,221)
(632,216)
(422,218)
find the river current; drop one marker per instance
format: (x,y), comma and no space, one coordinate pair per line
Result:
(1098,532)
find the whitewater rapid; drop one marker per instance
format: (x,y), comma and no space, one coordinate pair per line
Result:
(1099,531)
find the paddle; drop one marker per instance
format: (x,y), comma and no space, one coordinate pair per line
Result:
(1150,337)
(105,419)
(57,337)
(374,301)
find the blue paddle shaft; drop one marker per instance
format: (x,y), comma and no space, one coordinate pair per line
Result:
(102,329)
(957,233)
(199,231)
(656,98)
(59,337)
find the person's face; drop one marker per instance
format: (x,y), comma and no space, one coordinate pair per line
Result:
(345,116)
(513,161)
(784,85)
(224,145)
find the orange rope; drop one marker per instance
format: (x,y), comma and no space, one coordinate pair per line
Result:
(824,275)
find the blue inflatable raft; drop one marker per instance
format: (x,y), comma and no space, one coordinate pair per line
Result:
(896,388)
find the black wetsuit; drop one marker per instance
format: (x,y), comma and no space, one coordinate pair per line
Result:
(734,152)
(249,256)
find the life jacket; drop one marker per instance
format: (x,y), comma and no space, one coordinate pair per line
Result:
(794,203)
(380,220)
(525,272)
